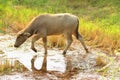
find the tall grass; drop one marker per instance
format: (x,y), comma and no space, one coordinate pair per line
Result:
(99,20)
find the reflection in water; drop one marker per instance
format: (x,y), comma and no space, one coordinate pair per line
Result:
(17,60)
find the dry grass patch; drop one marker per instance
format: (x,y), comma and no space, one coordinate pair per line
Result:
(56,41)
(7,66)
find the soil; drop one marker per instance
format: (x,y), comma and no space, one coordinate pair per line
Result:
(76,65)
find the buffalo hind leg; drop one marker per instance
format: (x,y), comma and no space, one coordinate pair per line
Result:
(69,41)
(79,37)
(44,65)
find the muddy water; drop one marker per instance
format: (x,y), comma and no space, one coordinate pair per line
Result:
(24,55)
(56,62)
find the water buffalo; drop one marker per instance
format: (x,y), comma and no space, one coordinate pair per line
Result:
(51,24)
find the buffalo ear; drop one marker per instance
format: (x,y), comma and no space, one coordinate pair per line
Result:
(27,34)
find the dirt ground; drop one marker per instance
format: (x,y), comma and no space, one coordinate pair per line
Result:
(75,66)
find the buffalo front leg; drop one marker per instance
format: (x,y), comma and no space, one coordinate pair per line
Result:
(34,39)
(69,41)
(44,65)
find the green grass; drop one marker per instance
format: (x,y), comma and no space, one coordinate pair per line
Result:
(99,20)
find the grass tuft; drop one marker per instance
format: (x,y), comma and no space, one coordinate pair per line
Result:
(8,66)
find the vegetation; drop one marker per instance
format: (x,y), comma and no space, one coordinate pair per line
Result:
(99,19)
(8,66)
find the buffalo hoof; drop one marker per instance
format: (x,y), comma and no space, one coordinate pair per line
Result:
(87,51)
(35,50)
(64,53)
